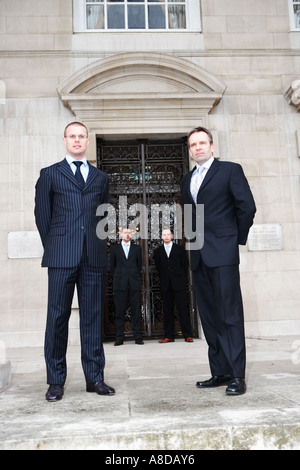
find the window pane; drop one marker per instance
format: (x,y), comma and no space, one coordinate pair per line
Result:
(115,17)
(176,17)
(297,15)
(95,17)
(156,14)
(136,17)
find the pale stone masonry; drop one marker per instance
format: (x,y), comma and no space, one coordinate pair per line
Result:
(238,76)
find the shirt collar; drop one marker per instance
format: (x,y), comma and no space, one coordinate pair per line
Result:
(169,245)
(207,164)
(71,160)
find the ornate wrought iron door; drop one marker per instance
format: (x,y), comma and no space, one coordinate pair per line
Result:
(147,173)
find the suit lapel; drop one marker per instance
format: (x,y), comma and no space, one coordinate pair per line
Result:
(64,168)
(188,183)
(209,175)
(121,250)
(130,253)
(91,176)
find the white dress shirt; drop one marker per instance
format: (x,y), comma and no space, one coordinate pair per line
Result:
(84,168)
(203,169)
(126,248)
(168,248)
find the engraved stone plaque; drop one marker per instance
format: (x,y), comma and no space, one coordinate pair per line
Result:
(265,237)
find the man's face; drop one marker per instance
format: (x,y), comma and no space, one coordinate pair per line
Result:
(200,148)
(126,234)
(76,141)
(166,236)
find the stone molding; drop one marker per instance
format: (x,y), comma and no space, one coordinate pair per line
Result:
(141,93)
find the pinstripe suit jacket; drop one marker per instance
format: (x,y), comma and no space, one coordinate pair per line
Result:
(66,216)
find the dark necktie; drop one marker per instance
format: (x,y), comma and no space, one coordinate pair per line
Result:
(78,174)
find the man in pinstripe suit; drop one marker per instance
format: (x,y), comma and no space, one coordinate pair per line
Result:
(66,201)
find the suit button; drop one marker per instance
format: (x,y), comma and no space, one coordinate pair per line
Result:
(82,227)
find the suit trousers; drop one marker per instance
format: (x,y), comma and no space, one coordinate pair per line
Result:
(220,307)
(171,297)
(90,282)
(122,297)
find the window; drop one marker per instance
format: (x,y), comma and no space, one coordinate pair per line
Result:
(167,15)
(294,9)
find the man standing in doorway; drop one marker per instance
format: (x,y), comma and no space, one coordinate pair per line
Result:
(172,266)
(229,209)
(67,196)
(125,268)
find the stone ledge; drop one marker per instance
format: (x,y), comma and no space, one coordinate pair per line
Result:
(5,374)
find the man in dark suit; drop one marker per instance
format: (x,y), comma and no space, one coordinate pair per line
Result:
(172,266)
(229,209)
(67,196)
(125,268)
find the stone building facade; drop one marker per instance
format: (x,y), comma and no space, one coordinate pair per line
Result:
(231,65)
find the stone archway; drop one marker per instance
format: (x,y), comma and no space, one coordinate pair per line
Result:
(141,93)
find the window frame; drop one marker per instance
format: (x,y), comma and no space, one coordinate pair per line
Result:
(292,15)
(192,12)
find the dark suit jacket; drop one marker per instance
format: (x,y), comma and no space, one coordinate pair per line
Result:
(172,270)
(126,273)
(229,210)
(66,216)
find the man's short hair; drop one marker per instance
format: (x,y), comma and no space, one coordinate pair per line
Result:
(76,123)
(200,129)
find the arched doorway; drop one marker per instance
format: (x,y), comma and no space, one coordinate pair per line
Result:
(133,103)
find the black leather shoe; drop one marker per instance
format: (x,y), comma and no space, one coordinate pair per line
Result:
(139,341)
(236,387)
(118,342)
(215,381)
(100,388)
(55,392)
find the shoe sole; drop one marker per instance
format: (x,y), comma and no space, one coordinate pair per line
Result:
(50,400)
(212,386)
(232,394)
(102,394)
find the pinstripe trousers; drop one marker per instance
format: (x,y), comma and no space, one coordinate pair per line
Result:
(90,282)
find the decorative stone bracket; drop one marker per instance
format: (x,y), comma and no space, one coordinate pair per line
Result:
(292,94)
